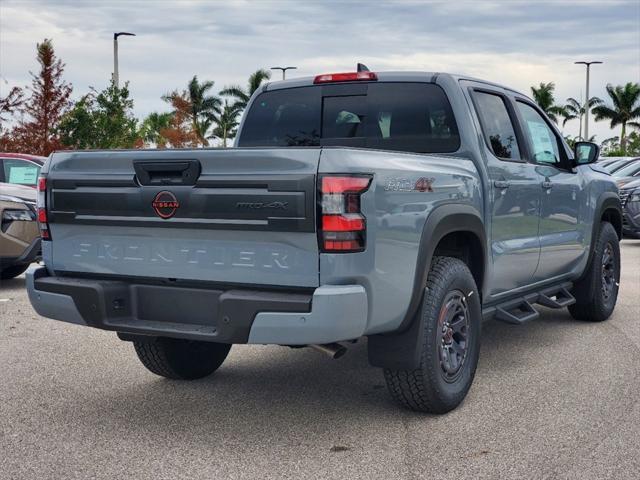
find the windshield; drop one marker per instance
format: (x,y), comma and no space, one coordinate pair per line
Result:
(611,167)
(413,117)
(629,170)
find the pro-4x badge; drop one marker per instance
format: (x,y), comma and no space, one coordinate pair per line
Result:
(165,204)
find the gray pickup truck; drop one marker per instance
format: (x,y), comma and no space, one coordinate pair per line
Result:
(401,207)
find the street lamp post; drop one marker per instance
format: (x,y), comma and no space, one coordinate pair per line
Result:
(116,79)
(284,69)
(586,104)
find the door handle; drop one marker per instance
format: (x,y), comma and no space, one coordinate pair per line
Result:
(167,173)
(547,184)
(501,184)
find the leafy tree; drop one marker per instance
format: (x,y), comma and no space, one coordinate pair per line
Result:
(155,127)
(242,95)
(571,141)
(47,102)
(101,120)
(624,110)
(200,107)
(180,133)
(611,146)
(226,126)
(11,104)
(633,144)
(574,109)
(543,96)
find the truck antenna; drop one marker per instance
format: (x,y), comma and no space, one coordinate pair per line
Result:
(362,67)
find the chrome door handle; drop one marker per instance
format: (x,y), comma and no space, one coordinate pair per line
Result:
(547,184)
(501,184)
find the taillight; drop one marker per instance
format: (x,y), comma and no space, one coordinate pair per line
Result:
(41,204)
(345,77)
(342,226)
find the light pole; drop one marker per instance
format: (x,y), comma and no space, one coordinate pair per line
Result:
(586,104)
(116,80)
(284,69)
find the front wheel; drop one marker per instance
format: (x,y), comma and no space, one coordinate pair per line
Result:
(597,292)
(181,359)
(451,314)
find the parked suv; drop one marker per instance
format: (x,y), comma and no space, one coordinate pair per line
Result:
(19,234)
(297,236)
(630,199)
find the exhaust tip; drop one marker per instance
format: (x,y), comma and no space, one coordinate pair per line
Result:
(333,350)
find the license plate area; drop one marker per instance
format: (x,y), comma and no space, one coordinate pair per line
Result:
(176,305)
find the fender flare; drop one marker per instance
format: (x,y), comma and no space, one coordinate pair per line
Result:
(606,201)
(400,350)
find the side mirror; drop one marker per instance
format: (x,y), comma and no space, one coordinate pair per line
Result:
(585,152)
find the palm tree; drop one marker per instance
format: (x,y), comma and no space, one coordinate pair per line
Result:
(543,95)
(204,108)
(624,111)
(242,95)
(154,126)
(226,126)
(198,106)
(574,109)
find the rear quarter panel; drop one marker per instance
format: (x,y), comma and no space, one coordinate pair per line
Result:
(387,267)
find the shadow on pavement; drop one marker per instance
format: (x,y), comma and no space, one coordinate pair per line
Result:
(262,390)
(14,283)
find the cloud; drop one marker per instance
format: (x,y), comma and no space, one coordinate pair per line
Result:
(514,42)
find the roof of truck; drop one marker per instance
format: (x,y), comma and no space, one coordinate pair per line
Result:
(411,76)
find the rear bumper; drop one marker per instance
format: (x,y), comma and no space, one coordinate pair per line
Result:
(326,314)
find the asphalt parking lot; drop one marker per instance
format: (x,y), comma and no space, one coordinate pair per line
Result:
(553,399)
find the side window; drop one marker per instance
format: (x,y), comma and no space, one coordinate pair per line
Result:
(20,172)
(543,140)
(497,125)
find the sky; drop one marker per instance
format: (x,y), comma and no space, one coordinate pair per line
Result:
(512,42)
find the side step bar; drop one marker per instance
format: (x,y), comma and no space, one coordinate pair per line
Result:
(560,299)
(521,310)
(516,313)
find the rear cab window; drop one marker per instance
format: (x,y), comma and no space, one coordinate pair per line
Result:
(411,117)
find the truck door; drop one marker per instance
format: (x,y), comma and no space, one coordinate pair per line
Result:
(514,193)
(562,234)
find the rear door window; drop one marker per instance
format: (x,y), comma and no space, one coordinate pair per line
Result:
(496,125)
(413,117)
(20,172)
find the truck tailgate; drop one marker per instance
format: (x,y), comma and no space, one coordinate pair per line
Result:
(234,216)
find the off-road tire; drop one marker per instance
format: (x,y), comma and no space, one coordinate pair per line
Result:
(427,388)
(181,359)
(592,304)
(13,271)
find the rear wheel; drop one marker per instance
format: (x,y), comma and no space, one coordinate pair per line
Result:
(13,271)
(181,359)
(597,292)
(451,342)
